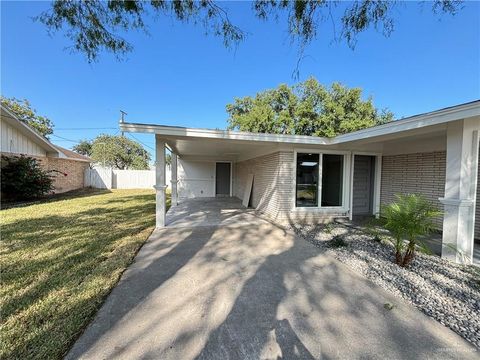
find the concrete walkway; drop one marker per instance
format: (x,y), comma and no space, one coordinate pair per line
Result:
(251,290)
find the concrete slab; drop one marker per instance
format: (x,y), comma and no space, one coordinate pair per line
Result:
(211,212)
(254,291)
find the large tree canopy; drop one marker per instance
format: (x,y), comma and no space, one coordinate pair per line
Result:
(94,25)
(117,152)
(308,108)
(25,113)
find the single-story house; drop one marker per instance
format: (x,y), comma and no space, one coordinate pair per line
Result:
(17,138)
(309,179)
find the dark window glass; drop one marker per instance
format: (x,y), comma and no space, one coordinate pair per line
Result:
(332,180)
(307,180)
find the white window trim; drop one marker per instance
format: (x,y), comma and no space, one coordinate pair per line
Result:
(344,208)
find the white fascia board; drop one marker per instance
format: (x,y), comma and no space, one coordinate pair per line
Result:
(415,122)
(223,134)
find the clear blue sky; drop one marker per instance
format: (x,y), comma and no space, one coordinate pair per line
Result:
(179,76)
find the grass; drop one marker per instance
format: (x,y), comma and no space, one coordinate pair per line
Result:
(59,260)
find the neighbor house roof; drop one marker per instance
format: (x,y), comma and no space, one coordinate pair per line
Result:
(438,117)
(73,155)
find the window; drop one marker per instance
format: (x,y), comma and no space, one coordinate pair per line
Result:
(307,180)
(319,180)
(332,180)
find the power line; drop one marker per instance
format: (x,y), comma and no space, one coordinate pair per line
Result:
(65,139)
(141,142)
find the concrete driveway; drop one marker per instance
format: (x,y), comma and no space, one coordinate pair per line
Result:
(251,290)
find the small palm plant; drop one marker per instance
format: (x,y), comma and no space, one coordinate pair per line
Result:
(408,218)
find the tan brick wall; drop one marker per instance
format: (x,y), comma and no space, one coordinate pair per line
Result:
(73,168)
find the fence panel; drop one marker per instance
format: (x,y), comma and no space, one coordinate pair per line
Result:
(107,178)
(133,179)
(98,177)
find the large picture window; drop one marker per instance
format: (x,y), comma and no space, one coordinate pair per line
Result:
(307,180)
(319,180)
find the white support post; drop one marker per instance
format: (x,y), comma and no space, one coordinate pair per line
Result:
(460,190)
(160,210)
(174,180)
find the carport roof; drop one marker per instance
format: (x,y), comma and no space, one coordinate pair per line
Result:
(434,121)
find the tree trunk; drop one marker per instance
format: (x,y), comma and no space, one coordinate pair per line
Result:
(398,257)
(408,257)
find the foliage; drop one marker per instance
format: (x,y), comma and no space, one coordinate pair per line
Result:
(84,147)
(94,26)
(60,259)
(408,218)
(24,112)
(119,152)
(307,108)
(23,178)
(337,242)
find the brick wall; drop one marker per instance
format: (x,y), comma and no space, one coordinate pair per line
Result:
(272,183)
(420,173)
(272,192)
(74,169)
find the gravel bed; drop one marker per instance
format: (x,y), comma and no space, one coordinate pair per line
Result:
(448,292)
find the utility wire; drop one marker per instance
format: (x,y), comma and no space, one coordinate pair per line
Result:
(141,142)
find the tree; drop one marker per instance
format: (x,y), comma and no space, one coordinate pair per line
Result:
(24,112)
(94,25)
(307,108)
(84,148)
(119,152)
(408,218)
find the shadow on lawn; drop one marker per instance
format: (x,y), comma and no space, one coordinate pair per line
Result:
(57,262)
(74,194)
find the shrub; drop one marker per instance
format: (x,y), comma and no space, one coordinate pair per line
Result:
(337,242)
(23,178)
(410,217)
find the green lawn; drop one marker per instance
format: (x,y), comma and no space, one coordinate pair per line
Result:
(59,260)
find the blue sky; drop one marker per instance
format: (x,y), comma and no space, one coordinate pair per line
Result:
(179,76)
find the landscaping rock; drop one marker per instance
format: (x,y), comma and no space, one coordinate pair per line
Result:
(445,291)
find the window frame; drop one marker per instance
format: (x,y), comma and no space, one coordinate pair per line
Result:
(345,180)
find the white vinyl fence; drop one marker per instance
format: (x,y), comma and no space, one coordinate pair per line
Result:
(107,178)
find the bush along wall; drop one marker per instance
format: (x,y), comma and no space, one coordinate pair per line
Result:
(22,178)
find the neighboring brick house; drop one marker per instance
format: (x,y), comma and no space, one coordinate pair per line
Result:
(17,138)
(312,179)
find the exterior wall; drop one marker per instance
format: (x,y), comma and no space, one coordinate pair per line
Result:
(477,208)
(271,190)
(12,141)
(196,179)
(73,168)
(422,173)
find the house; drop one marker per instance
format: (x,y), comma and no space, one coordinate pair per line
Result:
(309,179)
(17,138)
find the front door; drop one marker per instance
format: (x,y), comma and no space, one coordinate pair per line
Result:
(363,178)
(222,179)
